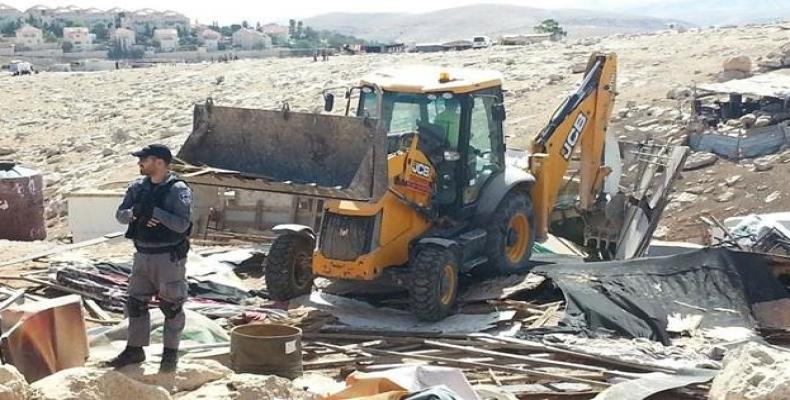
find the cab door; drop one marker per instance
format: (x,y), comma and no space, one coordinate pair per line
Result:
(485,151)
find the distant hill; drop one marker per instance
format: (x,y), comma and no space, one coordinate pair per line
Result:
(717,12)
(484,19)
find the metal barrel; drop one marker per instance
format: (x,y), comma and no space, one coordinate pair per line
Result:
(266,349)
(21,203)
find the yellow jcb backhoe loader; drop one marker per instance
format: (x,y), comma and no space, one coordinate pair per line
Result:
(419,186)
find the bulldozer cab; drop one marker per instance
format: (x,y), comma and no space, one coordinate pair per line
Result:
(457,117)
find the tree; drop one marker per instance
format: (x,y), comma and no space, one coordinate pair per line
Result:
(9,28)
(553,27)
(50,37)
(245,25)
(67,47)
(226,31)
(118,53)
(101,31)
(258,26)
(235,27)
(291,28)
(299,30)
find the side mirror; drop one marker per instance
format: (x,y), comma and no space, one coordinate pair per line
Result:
(329,101)
(498,111)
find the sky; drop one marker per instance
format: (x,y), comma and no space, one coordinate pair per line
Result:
(228,11)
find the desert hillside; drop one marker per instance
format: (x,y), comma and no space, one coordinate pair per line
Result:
(78,128)
(484,19)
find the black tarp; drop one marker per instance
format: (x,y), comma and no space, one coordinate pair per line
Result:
(634,298)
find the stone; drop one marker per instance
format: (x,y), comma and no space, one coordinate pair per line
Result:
(249,387)
(94,384)
(578,68)
(190,375)
(647,123)
(732,180)
(735,123)
(13,385)
(699,160)
(680,93)
(661,232)
(764,163)
(753,371)
(686,197)
(763,121)
(748,120)
(168,133)
(739,63)
(725,76)
(725,197)
(773,196)
(107,152)
(6,151)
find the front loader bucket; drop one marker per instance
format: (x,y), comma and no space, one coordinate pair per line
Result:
(287,152)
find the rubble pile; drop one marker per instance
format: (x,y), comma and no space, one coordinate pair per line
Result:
(753,371)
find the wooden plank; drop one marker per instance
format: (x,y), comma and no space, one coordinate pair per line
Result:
(451,361)
(544,317)
(530,360)
(526,345)
(95,310)
(62,249)
(524,371)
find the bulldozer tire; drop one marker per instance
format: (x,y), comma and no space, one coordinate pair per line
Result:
(434,283)
(288,269)
(511,235)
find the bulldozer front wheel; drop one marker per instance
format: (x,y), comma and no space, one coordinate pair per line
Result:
(434,283)
(288,268)
(511,235)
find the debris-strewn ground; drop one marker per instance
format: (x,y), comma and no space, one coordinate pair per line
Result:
(78,128)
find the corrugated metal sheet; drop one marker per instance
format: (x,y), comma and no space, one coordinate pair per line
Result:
(753,143)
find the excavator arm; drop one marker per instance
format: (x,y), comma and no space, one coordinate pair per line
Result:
(581,120)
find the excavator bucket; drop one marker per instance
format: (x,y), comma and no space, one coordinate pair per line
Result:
(286,152)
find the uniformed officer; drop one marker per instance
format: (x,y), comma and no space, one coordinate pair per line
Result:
(157,209)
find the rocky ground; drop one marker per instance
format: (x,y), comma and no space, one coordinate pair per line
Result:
(78,128)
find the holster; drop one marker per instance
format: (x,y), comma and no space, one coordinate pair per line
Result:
(180,251)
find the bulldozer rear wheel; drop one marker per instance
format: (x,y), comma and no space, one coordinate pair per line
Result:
(511,235)
(288,270)
(434,283)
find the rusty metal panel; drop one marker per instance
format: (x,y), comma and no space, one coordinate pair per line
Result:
(287,152)
(21,203)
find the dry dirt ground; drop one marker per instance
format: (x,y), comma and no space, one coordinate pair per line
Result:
(78,128)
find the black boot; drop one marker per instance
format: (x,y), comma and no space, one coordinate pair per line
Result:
(130,355)
(169,360)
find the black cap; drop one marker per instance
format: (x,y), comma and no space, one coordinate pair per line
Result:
(156,150)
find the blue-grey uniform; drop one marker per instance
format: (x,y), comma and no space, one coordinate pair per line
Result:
(159,267)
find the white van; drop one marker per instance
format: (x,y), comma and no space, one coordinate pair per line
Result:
(481,42)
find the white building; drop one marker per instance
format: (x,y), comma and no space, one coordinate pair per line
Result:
(250,39)
(210,38)
(277,31)
(29,37)
(143,20)
(167,39)
(79,37)
(124,38)
(8,13)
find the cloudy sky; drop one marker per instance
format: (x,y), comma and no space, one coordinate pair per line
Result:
(226,11)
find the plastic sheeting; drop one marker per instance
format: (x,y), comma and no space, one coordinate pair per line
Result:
(635,298)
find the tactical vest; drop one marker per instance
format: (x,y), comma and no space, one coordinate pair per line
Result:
(159,233)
